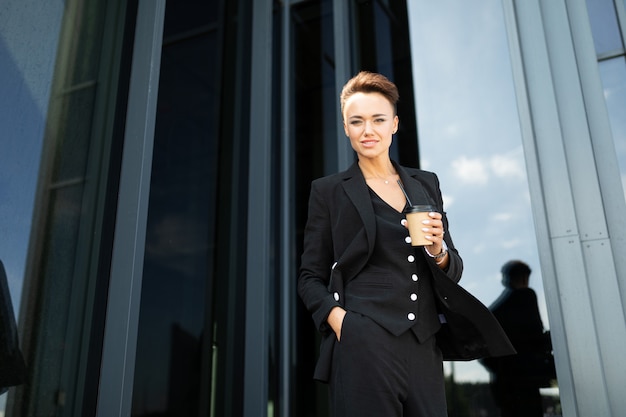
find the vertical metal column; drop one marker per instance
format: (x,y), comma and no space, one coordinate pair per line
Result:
(287,223)
(602,138)
(573,186)
(120,334)
(341,153)
(256,369)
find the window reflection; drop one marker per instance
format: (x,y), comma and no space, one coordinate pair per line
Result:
(613,74)
(62,293)
(172,346)
(381,45)
(603,18)
(314,123)
(470,135)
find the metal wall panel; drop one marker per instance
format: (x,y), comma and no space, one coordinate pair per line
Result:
(565,134)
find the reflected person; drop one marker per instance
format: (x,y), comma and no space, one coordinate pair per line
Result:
(515,380)
(387,310)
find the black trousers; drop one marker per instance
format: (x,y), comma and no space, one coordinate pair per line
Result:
(377,374)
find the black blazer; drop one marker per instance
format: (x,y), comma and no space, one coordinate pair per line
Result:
(338,242)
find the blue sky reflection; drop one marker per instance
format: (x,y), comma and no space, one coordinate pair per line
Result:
(470,136)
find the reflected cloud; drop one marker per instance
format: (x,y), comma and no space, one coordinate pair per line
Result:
(470,136)
(451,130)
(478,170)
(508,165)
(511,243)
(502,217)
(470,170)
(480,248)
(448,200)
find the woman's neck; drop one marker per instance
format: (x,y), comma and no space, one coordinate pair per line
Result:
(381,169)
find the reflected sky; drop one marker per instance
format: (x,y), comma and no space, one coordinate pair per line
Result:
(21,139)
(613,74)
(28,44)
(470,136)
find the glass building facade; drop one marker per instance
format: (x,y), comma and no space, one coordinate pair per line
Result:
(154,179)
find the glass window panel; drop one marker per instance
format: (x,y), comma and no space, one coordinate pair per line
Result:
(315,119)
(470,136)
(180,231)
(26,65)
(382,45)
(613,74)
(190,340)
(72,133)
(54,288)
(603,18)
(315,115)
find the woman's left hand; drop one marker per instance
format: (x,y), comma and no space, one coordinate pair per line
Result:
(433,231)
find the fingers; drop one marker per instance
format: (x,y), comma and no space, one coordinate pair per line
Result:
(335,320)
(433,228)
(434,225)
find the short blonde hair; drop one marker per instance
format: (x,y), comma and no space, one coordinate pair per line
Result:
(370,82)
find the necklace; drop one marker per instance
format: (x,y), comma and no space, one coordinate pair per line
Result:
(385,180)
(374,176)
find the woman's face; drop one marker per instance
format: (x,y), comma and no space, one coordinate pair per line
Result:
(369,121)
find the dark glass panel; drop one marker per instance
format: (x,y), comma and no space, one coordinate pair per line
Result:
(62,313)
(87,31)
(604,26)
(180,236)
(190,341)
(383,43)
(59,279)
(315,120)
(198,15)
(73,133)
(228,322)
(315,102)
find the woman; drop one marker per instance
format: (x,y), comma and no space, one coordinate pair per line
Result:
(378,301)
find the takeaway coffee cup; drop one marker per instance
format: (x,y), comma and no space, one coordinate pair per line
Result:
(414,217)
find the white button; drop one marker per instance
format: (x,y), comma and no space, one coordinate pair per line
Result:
(403,222)
(407,239)
(410,258)
(334,265)
(411,316)
(414,277)
(413,297)
(336,295)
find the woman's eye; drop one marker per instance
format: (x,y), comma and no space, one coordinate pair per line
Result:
(355,122)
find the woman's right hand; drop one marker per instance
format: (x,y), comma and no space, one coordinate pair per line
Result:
(335,320)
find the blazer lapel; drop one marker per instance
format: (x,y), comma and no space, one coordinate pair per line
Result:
(358,193)
(414,188)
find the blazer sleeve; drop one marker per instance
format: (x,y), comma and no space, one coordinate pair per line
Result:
(455,264)
(317,260)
